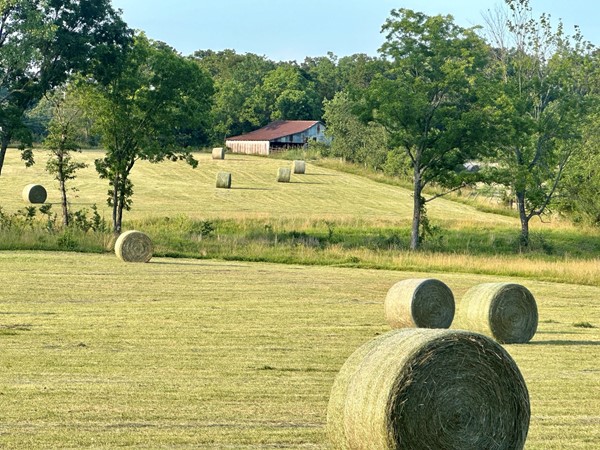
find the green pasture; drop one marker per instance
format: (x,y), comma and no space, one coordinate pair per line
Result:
(182,353)
(174,188)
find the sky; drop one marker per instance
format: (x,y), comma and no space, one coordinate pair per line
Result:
(288,30)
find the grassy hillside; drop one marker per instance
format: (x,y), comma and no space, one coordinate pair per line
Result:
(173,188)
(212,354)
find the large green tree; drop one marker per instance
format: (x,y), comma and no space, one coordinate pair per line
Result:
(541,101)
(41,43)
(150,111)
(430,100)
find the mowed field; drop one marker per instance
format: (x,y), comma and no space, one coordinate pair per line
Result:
(182,353)
(171,188)
(211,354)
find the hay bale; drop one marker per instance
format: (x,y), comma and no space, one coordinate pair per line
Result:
(419,303)
(34,193)
(429,389)
(224,180)
(133,246)
(505,311)
(218,153)
(284,174)
(299,166)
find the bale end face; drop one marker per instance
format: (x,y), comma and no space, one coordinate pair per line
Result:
(420,303)
(429,389)
(34,193)
(133,246)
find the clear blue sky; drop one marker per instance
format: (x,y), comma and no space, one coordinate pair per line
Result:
(285,30)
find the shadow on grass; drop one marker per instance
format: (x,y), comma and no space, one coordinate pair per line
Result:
(250,189)
(562,342)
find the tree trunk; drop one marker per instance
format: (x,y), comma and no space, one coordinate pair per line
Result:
(63,190)
(416,222)
(524,238)
(3,147)
(115,201)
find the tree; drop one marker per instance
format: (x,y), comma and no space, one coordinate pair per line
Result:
(41,43)
(351,139)
(429,101)
(63,138)
(540,102)
(146,113)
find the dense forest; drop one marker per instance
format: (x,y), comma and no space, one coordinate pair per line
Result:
(516,98)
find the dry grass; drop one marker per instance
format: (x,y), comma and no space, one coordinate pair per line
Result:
(212,354)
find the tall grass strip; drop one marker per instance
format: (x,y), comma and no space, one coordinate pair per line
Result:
(34,193)
(133,246)
(284,174)
(505,311)
(218,153)
(224,180)
(299,167)
(420,303)
(417,389)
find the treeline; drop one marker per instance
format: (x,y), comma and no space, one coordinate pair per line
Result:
(517,98)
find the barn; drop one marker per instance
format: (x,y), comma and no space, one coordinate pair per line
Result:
(277,135)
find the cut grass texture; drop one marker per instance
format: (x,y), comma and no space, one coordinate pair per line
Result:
(420,303)
(419,389)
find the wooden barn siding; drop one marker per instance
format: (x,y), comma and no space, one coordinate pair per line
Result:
(249,147)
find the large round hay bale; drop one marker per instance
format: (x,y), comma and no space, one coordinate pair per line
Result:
(34,193)
(284,174)
(505,311)
(224,180)
(218,153)
(420,303)
(419,389)
(133,246)
(299,166)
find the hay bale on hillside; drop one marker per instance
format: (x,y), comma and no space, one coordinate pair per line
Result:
(284,174)
(133,246)
(429,389)
(224,180)
(505,311)
(420,303)
(218,153)
(34,193)
(299,167)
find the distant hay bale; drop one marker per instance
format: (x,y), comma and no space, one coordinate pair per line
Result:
(419,303)
(420,389)
(218,153)
(133,246)
(284,174)
(224,180)
(34,193)
(505,311)
(299,166)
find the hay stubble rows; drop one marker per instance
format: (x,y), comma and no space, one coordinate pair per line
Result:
(212,354)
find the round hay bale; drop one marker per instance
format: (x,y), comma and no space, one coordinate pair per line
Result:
(505,311)
(284,174)
(218,153)
(419,303)
(224,180)
(34,193)
(299,166)
(133,246)
(419,389)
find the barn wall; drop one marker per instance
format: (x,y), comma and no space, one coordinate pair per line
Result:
(249,147)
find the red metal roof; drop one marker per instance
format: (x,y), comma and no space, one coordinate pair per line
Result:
(276,130)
